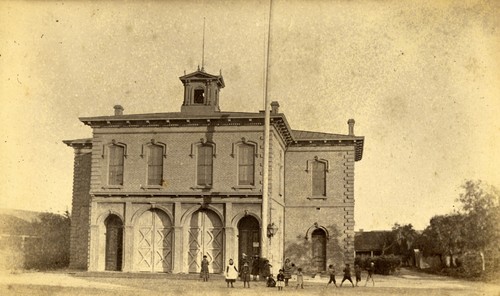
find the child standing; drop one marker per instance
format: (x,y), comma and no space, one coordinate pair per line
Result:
(357,271)
(204,269)
(347,275)
(231,273)
(331,271)
(300,279)
(280,283)
(245,275)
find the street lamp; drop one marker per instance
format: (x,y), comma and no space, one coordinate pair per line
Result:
(271,230)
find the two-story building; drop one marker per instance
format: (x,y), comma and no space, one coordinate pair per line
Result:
(155,192)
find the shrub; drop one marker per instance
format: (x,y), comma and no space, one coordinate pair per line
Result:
(383,264)
(51,249)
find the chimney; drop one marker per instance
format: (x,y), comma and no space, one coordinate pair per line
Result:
(275,107)
(118,110)
(351,122)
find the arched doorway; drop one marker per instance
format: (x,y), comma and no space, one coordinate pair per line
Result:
(205,238)
(154,242)
(248,237)
(114,243)
(318,238)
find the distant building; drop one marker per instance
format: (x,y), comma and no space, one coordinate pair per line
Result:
(370,243)
(155,192)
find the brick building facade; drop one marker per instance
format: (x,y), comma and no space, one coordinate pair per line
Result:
(155,192)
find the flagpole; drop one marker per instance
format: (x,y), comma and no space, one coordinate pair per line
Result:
(265,168)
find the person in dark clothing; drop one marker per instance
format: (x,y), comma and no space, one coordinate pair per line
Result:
(255,267)
(347,275)
(204,269)
(271,283)
(245,275)
(280,280)
(357,271)
(371,271)
(331,271)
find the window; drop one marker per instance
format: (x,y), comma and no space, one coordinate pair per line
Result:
(116,154)
(246,165)
(318,178)
(155,165)
(205,165)
(199,96)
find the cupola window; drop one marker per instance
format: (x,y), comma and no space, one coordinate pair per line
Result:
(199,96)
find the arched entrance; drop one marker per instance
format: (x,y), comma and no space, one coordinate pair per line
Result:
(114,243)
(248,237)
(318,238)
(205,238)
(154,242)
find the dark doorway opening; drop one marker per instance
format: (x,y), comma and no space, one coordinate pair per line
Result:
(114,243)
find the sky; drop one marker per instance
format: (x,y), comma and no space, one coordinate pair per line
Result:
(418,77)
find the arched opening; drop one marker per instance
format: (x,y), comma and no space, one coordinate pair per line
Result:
(205,237)
(318,238)
(154,242)
(114,243)
(248,237)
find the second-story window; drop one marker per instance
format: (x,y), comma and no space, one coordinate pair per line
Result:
(155,165)
(116,156)
(318,178)
(246,165)
(204,165)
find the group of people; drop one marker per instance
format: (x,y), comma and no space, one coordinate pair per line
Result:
(347,274)
(247,269)
(284,275)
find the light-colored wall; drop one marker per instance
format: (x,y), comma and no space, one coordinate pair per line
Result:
(333,212)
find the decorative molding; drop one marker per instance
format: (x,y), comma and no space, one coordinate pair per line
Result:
(114,143)
(244,141)
(314,227)
(153,142)
(316,158)
(202,142)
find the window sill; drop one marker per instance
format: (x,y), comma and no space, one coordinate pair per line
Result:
(112,187)
(317,197)
(201,187)
(157,187)
(240,187)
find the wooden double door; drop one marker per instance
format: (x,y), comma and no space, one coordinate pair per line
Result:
(154,242)
(205,237)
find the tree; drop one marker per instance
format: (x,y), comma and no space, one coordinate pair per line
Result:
(446,235)
(481,225)
(52,249)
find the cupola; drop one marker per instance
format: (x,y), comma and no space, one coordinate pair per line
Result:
(201,92)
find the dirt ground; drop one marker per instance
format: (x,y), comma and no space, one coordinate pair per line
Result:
(406,282)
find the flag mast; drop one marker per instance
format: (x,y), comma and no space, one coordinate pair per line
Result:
(267,124)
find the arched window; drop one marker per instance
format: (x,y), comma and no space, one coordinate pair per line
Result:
(318,178)
(204,165)
(246,164)
(155,165)
(116,156)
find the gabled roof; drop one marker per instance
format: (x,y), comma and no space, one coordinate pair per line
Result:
(369,240)
(202,75)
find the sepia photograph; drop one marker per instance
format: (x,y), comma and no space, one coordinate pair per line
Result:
(250,147)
